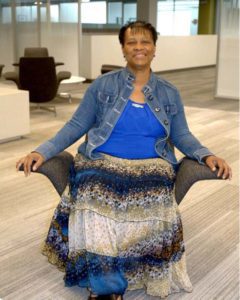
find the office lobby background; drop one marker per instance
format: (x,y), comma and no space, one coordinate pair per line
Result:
(83,34)
(198,52)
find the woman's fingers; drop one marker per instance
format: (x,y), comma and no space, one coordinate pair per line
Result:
(227,172)
(220,167)
(38,163)
(224,170)
(211,162)
(27,165)
(32,160)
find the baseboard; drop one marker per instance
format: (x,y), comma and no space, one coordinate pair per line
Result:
(184,69)
(89,80)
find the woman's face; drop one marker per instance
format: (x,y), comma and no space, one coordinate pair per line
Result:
(138,49)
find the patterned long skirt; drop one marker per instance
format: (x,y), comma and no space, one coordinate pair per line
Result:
(118,227)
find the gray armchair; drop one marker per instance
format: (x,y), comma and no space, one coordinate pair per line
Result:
(190,171)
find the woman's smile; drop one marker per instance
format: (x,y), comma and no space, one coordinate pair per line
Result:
(139,55)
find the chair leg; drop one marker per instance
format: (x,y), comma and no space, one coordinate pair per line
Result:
(66,95)
(48,108)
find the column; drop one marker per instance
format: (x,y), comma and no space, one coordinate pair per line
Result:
(147,11)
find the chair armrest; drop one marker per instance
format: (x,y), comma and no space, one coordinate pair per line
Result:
(56,170)
(189,172)
(12,76)
(109,68)
(63,75)
(58,63)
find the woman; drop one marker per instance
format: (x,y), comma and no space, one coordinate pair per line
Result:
(117,225)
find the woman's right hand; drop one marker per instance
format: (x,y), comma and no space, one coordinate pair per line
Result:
(33,158)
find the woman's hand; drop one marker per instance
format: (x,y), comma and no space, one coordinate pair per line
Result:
(214,162)
(27,162)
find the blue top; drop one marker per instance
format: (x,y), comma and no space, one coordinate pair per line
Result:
(135,133)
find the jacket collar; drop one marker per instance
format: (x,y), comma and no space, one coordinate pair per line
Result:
(129,77)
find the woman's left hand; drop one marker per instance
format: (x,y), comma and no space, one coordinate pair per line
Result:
(214,162)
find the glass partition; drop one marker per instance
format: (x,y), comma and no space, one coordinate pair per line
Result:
(6,35)
(27,18)
(55,24)
(59,32)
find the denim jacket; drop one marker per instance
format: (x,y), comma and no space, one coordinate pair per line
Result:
(102,105)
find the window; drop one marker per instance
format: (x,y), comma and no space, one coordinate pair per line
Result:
(6,15)
(68,12)
(26,13)
(94,12)
(115,13)
(129,12)
(177,17)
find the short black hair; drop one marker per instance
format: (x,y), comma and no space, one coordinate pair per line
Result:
(138,26)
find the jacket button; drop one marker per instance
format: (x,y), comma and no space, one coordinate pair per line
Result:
(165,122)
(157,109)
(150,98)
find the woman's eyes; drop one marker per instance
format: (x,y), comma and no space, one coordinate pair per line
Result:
(135,42)
(131,43)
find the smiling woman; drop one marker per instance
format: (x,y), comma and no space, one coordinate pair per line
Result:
(118,226)
(138,47)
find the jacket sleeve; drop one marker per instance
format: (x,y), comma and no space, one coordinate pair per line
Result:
(182,138)
(80,123)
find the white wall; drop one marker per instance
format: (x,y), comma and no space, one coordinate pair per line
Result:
(172,52)
(228,69)
(228,52)
(6,46)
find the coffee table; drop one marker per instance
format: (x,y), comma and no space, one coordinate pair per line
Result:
(68,83)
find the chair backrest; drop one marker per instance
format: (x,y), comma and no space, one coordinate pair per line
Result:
(36,52)
(1,67)
(38,76)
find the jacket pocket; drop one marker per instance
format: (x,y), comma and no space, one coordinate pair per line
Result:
(170,109)
(105,103)
(106,98)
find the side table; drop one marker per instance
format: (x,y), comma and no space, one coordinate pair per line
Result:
(68,82)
